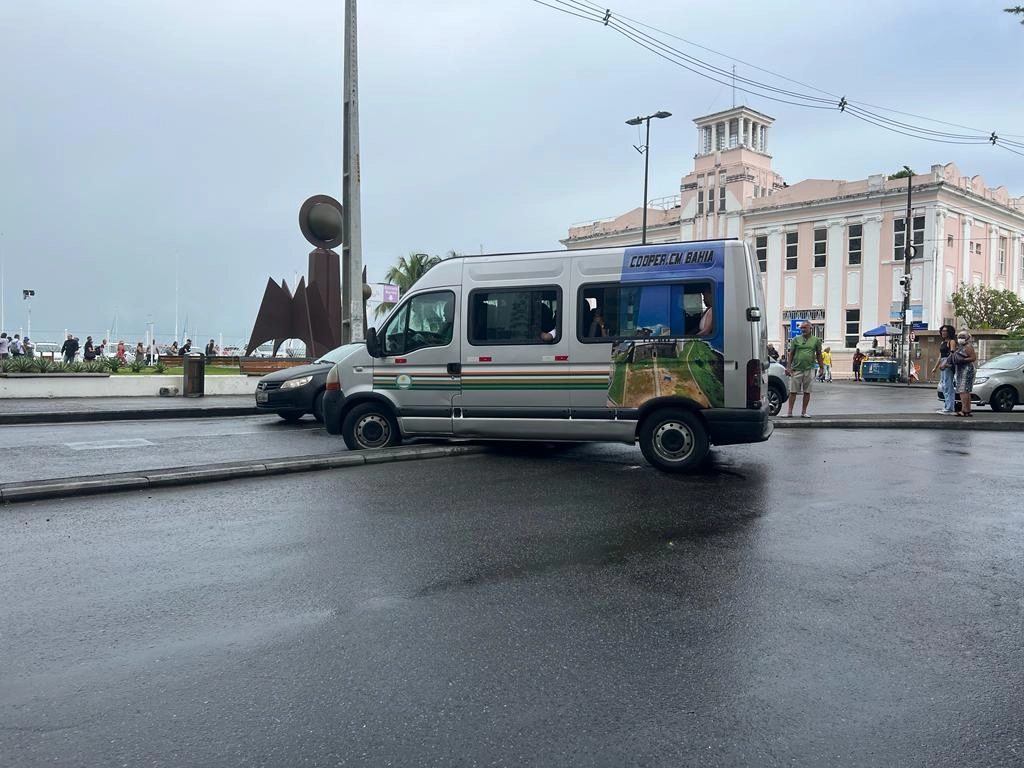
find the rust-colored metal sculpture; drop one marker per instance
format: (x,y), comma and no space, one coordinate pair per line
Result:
(313,312)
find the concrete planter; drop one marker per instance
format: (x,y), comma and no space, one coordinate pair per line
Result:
(103,385)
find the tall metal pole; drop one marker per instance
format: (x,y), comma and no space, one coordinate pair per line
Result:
(908,251)
(352,248)
(647,158)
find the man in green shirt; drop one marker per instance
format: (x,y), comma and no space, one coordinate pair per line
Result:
(804,352)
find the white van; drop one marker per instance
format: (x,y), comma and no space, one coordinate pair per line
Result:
(661,344)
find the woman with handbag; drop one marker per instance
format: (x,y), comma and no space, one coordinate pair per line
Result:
(947,343)
(963,359)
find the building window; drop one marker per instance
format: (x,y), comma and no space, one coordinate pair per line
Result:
(792,245)
(949,241)
(700,202)
(761,251)
(711,201)
(820,247)
(977,249)
(855,243)
(852,328)
(706,144)
(1002,257)
(899,227)
(721,198)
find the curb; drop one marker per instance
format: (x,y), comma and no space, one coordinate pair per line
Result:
(898,421)
(192,412)
(35,490)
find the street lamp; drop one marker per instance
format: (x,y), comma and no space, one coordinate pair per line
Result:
(908,253)
(26,295)
(646,154)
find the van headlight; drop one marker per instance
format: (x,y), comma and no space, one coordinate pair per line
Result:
(299,382)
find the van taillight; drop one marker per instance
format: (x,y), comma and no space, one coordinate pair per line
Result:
(754,384)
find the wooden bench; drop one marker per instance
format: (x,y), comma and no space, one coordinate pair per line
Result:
(261,366)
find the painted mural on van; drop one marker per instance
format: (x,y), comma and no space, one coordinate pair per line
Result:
(667,306)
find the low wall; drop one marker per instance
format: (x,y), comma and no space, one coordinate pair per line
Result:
(98,385)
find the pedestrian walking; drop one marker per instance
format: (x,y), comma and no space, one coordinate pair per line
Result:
(122,352)
(89,351)
(30,348)
(5,346)
(947,344)
(140,353)
(69,348)
(826,364)
(211,348)
(16,348)
(804,353)
(858,360)
(963,359)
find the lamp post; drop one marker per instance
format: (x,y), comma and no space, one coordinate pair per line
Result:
(27,294)
(908,254)
(646,153)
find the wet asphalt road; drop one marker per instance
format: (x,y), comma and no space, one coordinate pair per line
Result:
(827,598)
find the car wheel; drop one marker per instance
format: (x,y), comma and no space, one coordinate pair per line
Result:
(368,426)
(776,395)
(1003,399)
(673,440)
(291,416)
(318,407)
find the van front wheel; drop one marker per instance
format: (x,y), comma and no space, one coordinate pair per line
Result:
(369,426)
(673,440)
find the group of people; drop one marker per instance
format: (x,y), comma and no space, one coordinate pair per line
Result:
(956,368)
(15,346)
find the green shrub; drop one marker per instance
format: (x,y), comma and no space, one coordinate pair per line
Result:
(43,365)
(113,364)
(160,368)
(94,366)
(137,365)
(22,364)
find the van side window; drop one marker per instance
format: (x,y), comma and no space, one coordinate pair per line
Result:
(515,316)
(425,320)
(620,311)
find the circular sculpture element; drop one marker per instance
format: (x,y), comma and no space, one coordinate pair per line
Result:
(320,220)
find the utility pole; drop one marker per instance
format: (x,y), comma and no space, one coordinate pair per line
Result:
(647,154)
(908,253)
(352,248)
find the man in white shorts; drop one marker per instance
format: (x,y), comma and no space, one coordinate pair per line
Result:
(804,352)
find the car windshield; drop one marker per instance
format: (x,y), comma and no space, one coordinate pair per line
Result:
(339,353)
(1005,362)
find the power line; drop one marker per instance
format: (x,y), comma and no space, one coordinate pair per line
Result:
(589,11)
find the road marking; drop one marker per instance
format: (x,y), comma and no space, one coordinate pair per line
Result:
(92,445)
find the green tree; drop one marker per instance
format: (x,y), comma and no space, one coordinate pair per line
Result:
(406,272)
(982,307)
(1018,10)
(901,174)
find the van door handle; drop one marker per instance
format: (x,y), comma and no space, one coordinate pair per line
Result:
(454,369)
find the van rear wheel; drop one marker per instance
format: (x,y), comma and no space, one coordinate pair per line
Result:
(369,426)
(673,440)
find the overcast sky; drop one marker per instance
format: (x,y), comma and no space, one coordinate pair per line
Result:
(142,140)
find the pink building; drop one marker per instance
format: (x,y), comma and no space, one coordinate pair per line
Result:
(832,251)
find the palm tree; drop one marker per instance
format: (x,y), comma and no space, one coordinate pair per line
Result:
(405,273)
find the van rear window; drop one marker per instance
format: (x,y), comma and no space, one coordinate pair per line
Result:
(645,311)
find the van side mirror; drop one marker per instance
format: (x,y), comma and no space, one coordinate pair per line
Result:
(372,343)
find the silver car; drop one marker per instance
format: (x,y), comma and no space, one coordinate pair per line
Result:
(999,382)
(778,388)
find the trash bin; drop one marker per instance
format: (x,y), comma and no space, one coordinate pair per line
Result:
(193,374)
(879,370)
